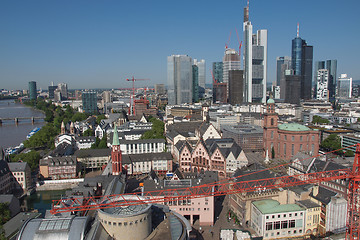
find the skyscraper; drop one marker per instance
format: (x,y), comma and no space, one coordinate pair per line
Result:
(302,61)
(331,66)
(51,91)
(179,71)
(292,87)
(322,80)
(195,83)
(282,64)
(255,61)
(201,76)
(89,101)
(64,90)
(236,84)
(32,90)
(218,71)
(345,86)
(231,61)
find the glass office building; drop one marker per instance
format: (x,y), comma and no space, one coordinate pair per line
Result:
(32,90)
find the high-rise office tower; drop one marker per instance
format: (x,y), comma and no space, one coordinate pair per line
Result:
(51,91)
(292,87)
(195,83)
(322,80)
(282,64)
(331,66)
(344,86)
(179,71)
(32,90)
(219,87)
(231,61)
(255,61)
(201,76)
(217,71)
(89,101)
(64,90)
(302,61)
(236,84)
(280,69)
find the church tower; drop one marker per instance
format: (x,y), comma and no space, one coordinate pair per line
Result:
(63,129)
(270,126)
(116,155)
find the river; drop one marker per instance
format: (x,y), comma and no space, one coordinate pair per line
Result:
(12,134)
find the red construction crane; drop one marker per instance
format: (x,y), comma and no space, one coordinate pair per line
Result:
(228,42)
(132,99)
(240,42)
(223,187)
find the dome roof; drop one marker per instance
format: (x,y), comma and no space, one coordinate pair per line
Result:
(270,101)
(293,127)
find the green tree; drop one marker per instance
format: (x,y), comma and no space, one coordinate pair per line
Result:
(157,130)
(32,158)
(78,116)
(319,120)
(99,118)
(89,132)
(332,142)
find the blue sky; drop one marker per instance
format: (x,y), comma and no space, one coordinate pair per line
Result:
(98,44)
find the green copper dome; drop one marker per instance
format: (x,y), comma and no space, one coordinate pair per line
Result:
(270,101)
(115,137)
(293,127)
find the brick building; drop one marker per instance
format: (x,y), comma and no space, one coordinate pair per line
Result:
(285,140)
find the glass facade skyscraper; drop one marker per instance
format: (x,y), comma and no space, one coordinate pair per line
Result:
(201,76)
(89,101)
(218,71)
(32,90)
(282,64)
(180,82)
(301,63)
(195,83)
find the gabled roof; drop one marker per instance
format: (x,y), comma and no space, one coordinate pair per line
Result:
(324,195)
(17,166)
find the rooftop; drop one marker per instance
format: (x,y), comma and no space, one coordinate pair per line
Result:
(295,127)
(272,206)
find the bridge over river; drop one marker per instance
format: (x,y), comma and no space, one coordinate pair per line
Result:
(18,120)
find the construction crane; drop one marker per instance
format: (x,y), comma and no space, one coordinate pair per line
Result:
(229,186)
(228,42)
(132,98)
(240,42)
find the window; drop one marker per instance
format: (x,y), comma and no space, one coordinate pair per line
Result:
(272,121)
(291,223)
(277,225)
(292,149)
(284,149)
(313,138)
(292,138)
(267,217)
(285,138)
(269,226)
(284,224)
(295,214)
(272,134)
(301,138)
(300,147)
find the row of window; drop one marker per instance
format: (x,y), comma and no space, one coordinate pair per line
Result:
(280,225)
(122,223)
(284,215)
(283,233)
(192,209)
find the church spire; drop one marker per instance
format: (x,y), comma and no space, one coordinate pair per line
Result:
(115,137)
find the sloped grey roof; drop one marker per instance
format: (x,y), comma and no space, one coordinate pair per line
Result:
(17,166)
(93,152)
(4,168)
(324,195)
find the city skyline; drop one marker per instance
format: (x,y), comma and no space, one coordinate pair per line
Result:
(89,44)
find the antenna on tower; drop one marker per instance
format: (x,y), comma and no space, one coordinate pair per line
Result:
(297,31)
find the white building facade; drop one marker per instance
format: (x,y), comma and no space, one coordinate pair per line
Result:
(322,85)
